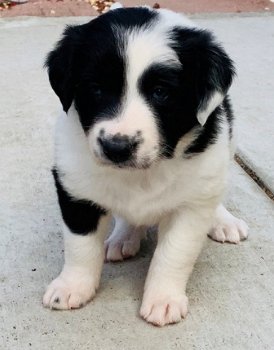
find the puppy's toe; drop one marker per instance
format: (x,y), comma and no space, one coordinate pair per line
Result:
(232,232)
(66,294)
(113,252)
(130,248)
(163,311)
(228,228)
(118,251)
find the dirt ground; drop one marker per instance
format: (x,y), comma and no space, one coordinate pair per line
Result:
(59,8)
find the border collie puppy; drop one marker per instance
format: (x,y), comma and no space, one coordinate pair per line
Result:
(145,137)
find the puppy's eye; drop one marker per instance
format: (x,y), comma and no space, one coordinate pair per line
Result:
(160,94)
(96,90)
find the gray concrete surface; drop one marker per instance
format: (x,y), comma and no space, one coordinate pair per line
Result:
(231,290)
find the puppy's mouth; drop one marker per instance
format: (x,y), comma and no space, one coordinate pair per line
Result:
(130,164)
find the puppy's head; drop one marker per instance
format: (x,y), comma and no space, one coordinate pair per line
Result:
(139,80)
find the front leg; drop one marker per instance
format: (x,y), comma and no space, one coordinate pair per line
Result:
(181,236)
(85,228)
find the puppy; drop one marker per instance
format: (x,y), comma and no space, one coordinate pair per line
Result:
(146,135)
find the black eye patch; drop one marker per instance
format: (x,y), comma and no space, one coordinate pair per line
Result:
(160,83)
(164,88)
(99,89)
(89,87)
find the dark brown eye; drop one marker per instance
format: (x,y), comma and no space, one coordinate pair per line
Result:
(160,94)
(96,90)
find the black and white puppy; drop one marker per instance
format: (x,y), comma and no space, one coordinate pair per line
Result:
(145,136)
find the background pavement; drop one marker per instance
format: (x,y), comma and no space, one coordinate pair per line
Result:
(231,290)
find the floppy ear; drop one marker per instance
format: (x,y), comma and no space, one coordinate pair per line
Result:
(209,70)
(60,64)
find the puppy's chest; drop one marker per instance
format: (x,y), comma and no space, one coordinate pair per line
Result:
(141,196)
(140,199)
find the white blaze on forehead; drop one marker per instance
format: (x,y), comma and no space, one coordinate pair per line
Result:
(152,44)
(142,47)
(145,47)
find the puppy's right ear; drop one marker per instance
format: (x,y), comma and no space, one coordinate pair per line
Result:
(60,64)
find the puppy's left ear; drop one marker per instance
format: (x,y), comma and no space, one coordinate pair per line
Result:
(208,70)
(61,66)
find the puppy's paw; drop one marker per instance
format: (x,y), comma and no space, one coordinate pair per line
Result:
(69,291)
(161,311)
(120,247)
(228,228)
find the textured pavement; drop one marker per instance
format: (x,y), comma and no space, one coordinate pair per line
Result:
(231,291)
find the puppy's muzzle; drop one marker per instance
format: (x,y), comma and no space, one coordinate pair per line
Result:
(118,149)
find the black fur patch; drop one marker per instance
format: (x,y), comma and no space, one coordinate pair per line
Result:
(81,216)
(88,66)
(175,109)
(229,114)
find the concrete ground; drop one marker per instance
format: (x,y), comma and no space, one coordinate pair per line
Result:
(231,291)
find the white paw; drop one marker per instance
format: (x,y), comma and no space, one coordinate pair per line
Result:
(69,291)
(161,311)
(120,247)
(228,228)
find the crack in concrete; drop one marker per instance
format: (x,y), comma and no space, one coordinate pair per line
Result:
(251,173)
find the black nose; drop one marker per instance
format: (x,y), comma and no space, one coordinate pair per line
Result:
(118,149)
